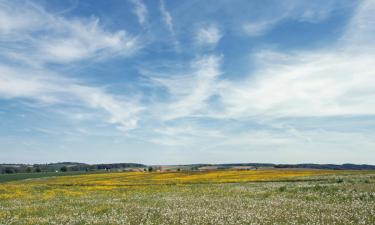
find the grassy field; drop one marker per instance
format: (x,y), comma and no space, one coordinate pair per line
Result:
(215,197)
(23,176)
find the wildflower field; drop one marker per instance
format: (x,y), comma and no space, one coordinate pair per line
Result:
(267,196)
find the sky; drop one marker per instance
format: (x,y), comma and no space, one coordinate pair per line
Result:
(178,82)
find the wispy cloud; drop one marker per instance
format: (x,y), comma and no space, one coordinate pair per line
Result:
(197,98)
(140,10)
(333,81)
(336,80)
(49,89)
(37,36)
(31,38)
(168,21)
(301,11)
(190,91)
(320,84)
(360,31)
(166,17)
(254,29)
(208,35)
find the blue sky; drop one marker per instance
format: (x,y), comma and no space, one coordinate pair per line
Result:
(173,82)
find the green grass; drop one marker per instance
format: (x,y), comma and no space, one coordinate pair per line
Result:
(339,199)
(23,176)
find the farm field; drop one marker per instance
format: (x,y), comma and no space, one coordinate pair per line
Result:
(23,176)
(212,197)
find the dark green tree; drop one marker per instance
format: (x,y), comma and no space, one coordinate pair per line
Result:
(9,170)
(29,170)
(64,169)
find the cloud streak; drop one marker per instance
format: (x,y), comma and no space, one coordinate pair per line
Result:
(208,35)
(33,38)
(334,81)
(191,91)
(38,37)
(199,98)
(140,10)
(166,17)
(49,89)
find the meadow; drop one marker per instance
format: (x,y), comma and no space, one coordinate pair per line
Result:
(265,196)
(23,176)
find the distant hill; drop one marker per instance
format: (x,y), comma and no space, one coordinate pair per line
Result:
(65,166)
(75,166)
(271,165)
(329,166)
(305,165)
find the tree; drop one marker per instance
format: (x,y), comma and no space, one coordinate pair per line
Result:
(29,170)
(150,169)
(9,170)
(64,169)
(38,170)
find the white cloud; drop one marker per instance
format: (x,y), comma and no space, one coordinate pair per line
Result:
(338,80)
(84,41)
(140,11)
(285,147)
(326,82)
(122,111)
(314,16)
(360,32)
(42,86)
(320,84)
(23,19)
(208,35)
(191,91)
(168,22)
(334,81)
(254,29)
(314,11)
(184,134)
(301,11)
(166,16)
(33,35)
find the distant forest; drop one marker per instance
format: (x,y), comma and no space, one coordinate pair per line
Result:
(73,166)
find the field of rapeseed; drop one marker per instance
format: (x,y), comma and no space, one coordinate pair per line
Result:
(215,197)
